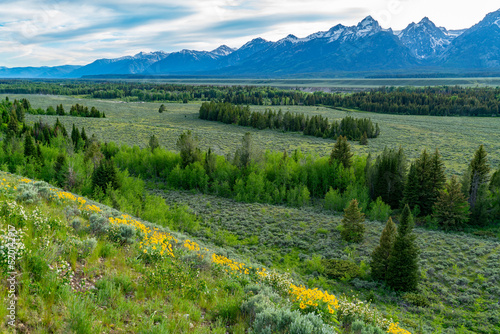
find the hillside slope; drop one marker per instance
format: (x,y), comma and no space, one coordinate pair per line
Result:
(82,267)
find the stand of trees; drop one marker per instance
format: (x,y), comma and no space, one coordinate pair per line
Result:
(318,126)
(435,101)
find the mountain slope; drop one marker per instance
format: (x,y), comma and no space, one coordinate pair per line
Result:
(124,65)
(424,39)
(476,48)
(37,72)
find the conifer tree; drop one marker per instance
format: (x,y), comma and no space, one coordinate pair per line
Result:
(29,147)
(451,208)
(352,223)
(403,272)
(479,170)
(342,152)
(153,143)
(364,139)
(188,147)
(381,254)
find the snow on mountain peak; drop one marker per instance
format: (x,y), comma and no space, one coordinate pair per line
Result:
(367,27)
(222,50)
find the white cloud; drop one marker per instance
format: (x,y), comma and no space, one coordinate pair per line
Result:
(60,32)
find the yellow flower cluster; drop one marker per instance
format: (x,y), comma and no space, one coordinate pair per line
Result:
(191,245)
(233,265)
(395,329)
(312,297)
(153,241)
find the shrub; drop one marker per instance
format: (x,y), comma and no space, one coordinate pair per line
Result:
(27,194)
(336,269)
(98,225)
(76,223)
(416,299)
(379,210)
(274,320)
(88,246)
(121,234)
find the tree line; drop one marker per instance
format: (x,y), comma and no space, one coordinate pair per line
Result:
(317,125)
(434,101)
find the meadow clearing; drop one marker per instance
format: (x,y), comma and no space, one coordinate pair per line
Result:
(134,123)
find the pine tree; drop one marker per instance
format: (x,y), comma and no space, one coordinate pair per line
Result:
(480,169)
(188,147)
(29,146)
(153,143)
(381,254)
(352,223)
(364,139)
(451,208)
(403,272)
(60,168)
(342,152)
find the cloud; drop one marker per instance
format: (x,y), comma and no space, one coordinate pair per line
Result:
(56,32)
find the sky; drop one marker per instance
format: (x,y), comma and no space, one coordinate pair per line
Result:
(62,32)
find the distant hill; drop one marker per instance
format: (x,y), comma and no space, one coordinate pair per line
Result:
(360,50)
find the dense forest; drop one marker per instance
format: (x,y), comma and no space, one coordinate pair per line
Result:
(435,101)
(318,126)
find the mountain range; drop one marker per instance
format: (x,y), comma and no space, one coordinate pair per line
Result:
(365,48)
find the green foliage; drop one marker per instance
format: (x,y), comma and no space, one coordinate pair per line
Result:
(382,253)
(403,270)
(340,269)
(162,109)
(342,152)
(316,125)
(416,299)
(188,147)
(425,179)
(352,223)
(379,210)
(386,178)
(98,225)
(451,208)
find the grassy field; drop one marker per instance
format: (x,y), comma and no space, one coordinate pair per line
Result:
(133,123)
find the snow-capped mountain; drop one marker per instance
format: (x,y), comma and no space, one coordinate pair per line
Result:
(477,48)
(424,39)
(362,48)
(222,50)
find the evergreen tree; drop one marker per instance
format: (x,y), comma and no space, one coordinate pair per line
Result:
(13,126)
(425,179)
(153,143)
(60,167)
(381,254)
(451,208)
(352,223)
(188,147)
(29,146)
(105,174)
(479,170)
(403,272)
(364,139)
(84,137)
(342,152)
(75,135)
(246,153)
(386,177)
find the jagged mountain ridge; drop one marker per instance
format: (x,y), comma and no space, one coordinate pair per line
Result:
(362,47)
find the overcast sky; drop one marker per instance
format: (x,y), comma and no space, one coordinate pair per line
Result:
(60,32)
